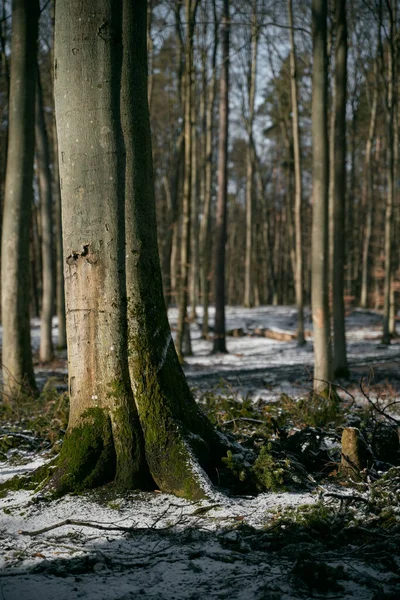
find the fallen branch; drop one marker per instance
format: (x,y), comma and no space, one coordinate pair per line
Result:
(78,524)
(379,410)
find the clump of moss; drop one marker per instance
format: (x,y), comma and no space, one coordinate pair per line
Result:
(87,458)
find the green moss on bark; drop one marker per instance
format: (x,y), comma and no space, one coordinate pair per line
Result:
(87,458)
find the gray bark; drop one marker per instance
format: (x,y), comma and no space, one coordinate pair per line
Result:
(46,351)
(131,409)
(320,257)
(339,196)
(298,188)
(17,357)
(219,344)
(249,257)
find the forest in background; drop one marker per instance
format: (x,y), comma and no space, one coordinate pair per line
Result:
(269,206)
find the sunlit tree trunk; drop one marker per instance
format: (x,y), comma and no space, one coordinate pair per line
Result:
(133,419)
(320,256)
(249,258)
(17,356)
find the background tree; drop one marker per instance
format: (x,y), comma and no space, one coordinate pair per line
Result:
(219,344)
(320,256)
(17,356)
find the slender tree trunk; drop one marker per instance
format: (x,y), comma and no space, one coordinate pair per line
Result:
(194,237)
(366,199)
(249,258)
(320,256)
(339,197)
(58,239)
(208,170)
(46,216)
(221,219)
(390,102)
(17,354)
(298,188)
(191,7)
(60,291)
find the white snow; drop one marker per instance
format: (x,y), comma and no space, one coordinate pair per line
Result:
(175,549)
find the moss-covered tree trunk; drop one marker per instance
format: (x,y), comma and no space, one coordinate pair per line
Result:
(132,413)
(16,354)
(103,435)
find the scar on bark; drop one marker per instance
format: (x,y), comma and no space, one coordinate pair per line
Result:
(86,253)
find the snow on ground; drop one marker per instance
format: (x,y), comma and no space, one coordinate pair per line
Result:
(152,545)
(257,366)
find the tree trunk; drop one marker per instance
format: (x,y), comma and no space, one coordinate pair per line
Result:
(366,199)
(206,217)
(46,216)
(298,188)
(339,194)
(320,256)
(17,354)
(221,218)
(191,7)
(388,252)
(132,414)
(249,258)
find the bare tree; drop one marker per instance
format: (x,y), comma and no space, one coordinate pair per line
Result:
(17,356)
(320,257)
(221,219)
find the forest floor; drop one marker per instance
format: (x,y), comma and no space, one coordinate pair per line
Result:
(313,535)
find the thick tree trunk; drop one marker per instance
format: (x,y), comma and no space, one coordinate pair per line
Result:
(46,215)
(339,195)
(17,355)
(221,218)
(132,413)
(320,257)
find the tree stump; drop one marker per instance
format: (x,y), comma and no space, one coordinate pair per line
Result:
(354,451)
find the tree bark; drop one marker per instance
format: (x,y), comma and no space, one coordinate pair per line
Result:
(298,188)
(249,258)
(366,198)
(46,351)
(221,217)
(390,102)
(191,7)
(320,256)
(339,195)
(17,354)
(206,217)
(133,418)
